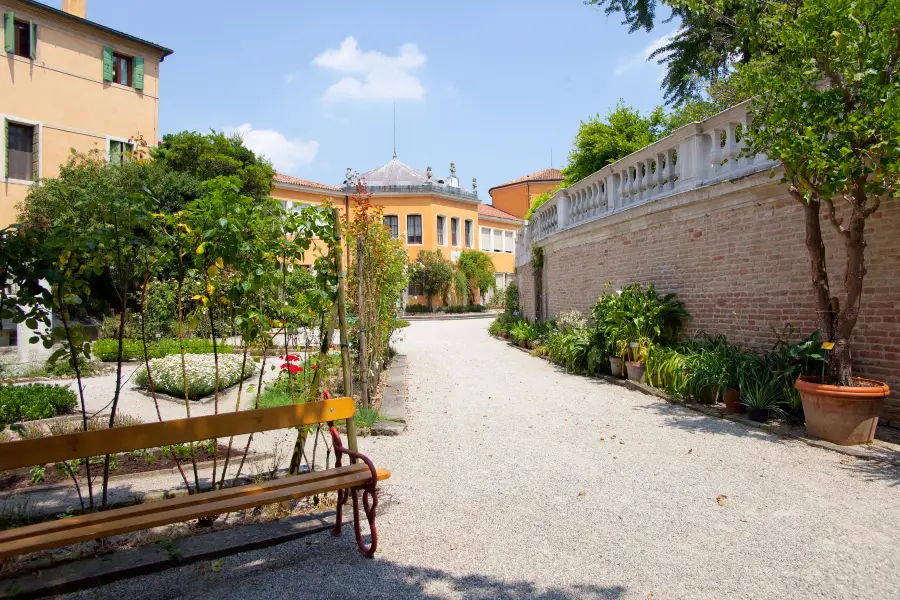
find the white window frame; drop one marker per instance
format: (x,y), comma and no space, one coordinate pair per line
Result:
(472,224)
(494,240)
(112,138)
(509,241)
(406,231)
(458,244)
(40,169)
(398,224)
(482,245)
(439,234)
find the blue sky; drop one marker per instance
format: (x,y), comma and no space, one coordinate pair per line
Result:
(491,85)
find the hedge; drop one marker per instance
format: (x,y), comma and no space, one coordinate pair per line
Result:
(108,350)
(34,401)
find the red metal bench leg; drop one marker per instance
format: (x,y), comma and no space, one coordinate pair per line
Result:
(370,503)
(343,496)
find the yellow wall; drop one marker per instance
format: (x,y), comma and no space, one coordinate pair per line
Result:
(427,206)
(515,199)
(63,91)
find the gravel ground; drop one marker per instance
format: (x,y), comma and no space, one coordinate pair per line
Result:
(517,481)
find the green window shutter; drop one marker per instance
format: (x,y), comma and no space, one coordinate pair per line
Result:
(36,153)
(33,37)
(137,72)
(9,32)
(107,63)
(115,153)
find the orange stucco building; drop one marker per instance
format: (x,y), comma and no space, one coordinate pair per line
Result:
(426,212)
(514,197)
(69,83)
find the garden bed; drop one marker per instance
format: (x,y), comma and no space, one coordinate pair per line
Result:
(129,463)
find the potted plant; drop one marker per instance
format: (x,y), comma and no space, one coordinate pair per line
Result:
(637,365)
(760,392)
(819,107)
(617,361)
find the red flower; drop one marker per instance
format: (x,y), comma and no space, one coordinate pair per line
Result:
(314,367)
(291,357)
(295,369)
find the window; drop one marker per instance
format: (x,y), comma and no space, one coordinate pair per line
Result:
(415,288)
(454,232)
(498,240)
(19,37)
(509,242)
(441,229)
(121,69)
(392,222)
(469,233)
(20,151)
(118,151)
(413,229)
(485,238)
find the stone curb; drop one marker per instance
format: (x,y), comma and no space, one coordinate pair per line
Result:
(861,452)
(393,402)
(123,564)
(451,317)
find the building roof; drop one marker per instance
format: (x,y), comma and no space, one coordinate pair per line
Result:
(542,175)
(394,172)
(279,178)
(76,19)
(489,212)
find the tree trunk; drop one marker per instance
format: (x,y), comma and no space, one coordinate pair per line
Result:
(816,247)
(841,360)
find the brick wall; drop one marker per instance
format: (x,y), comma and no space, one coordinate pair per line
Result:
(743,272)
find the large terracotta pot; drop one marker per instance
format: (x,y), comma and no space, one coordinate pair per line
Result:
(733,402)
(843,415)
(635,370)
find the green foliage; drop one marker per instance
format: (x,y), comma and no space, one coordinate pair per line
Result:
(417,308)
(479,270)
(600,142)
(433,272)
(62,367)
(34,401)
(511,298)
(522,332)
(108,350)
(759,387)
(572,348)
(38,474)
(539,200)
(463,308)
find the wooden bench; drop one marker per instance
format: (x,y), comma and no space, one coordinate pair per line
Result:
(348,480)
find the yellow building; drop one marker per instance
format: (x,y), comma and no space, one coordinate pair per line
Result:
(69,83)
(515,196)
(426,212)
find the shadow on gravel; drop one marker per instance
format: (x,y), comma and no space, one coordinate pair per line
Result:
(873,470)
(694,422)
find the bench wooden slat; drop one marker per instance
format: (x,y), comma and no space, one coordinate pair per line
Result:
(301,487)
(179,502)
(27,453)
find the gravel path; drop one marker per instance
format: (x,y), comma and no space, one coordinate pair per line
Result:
(516,481)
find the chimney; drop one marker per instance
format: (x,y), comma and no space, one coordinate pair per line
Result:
(75,7)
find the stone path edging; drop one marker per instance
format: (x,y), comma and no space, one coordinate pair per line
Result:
(488,314)
(861,452)
(393,402)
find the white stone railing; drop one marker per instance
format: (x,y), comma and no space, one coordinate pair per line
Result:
(698,154)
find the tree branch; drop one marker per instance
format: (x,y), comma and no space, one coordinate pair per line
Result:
(838,224)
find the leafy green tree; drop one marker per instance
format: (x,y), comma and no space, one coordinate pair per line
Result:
(826,105)
(600,142)
(712,40)
(479,270)
(434,273)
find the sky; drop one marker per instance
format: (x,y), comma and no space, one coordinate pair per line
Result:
(495,86)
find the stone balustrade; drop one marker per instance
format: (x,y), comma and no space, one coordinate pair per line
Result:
(699,154)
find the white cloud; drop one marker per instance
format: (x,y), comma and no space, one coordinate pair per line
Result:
(371,75)
(286,155)
(638,60)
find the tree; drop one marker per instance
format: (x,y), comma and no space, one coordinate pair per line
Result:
(600,142)
(434,273)
(713,38)
(827,106)
(479,270)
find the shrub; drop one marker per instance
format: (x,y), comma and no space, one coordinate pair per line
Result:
(107,350)
(511,299)
(465,308)
(570,319)
(62,367)
(575,349)
(417,308)
(523,331)
(201,378)
(34,401)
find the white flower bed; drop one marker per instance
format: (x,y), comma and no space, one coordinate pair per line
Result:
(168,377)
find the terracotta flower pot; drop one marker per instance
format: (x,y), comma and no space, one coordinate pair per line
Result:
(617,366)
(733,402)
(523,344)
(635,370)
(840,414)
(708,395)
